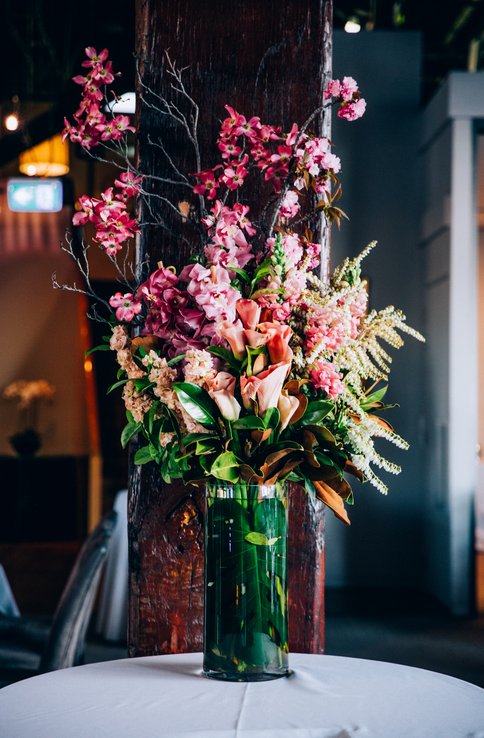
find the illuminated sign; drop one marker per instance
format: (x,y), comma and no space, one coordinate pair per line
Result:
(34,195)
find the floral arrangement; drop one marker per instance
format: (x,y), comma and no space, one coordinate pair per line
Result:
(28,394)
(245,366)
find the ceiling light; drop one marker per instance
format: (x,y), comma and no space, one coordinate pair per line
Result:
(11,122)
(48,159)
(352,25)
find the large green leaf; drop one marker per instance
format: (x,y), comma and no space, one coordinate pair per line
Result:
(116,385)
(226,466)
(129,430)
(197,403)
(226,355)
(316,411)
(376,396)
(272,418)
(194,437)
(249,422)
(143,455)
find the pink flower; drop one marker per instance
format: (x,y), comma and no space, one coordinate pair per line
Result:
(352,110)
(287,406)
(324,376)
(93,58)
(234,178)
(271,383)
(290,205)
(228,149)
(248,390)
(221,389)
(249,312)
(349,87)
(212,291)
(128,183)
(208,184)
(234,334)
(126,306)
(158,281)
(333,89)
(278,341)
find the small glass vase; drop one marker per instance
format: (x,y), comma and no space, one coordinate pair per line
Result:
(245,633)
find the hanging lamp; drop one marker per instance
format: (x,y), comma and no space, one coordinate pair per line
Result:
(48,159)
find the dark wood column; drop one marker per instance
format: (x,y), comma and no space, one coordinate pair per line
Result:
(267,59)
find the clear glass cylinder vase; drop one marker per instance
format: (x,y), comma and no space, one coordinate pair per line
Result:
(245,631)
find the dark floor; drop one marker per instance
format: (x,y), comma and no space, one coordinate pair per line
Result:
(404,628)
(407,628)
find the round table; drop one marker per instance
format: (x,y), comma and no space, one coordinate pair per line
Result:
(166,697)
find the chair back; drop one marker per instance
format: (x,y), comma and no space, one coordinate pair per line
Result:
(66,641)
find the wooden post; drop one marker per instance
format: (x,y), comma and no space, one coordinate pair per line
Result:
(267,59)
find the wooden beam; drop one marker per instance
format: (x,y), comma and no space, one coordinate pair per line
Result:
(267,59)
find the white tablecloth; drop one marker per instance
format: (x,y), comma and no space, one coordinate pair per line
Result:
(166,697)
(8,605)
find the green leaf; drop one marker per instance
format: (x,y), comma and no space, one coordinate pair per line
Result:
(322,434)
(272,418)
(175,360)
(226,355)
(142,384)
(374,397)
(129,430)
(310,489)
(240,272)
(101,347)
(206,447)
(116,385)
(260,539)
(197,403)
(262,271)
(143,455)
(226,466)
(194,437)
(316,411)
(250,422)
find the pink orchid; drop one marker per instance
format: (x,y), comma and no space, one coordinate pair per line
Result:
(249,312)
(126,306)
(158,281)
(221,389)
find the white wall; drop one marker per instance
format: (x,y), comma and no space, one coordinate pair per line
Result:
(382,195)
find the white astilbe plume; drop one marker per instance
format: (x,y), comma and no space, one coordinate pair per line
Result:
(360,357)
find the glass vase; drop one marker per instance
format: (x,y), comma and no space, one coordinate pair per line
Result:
(245,633)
